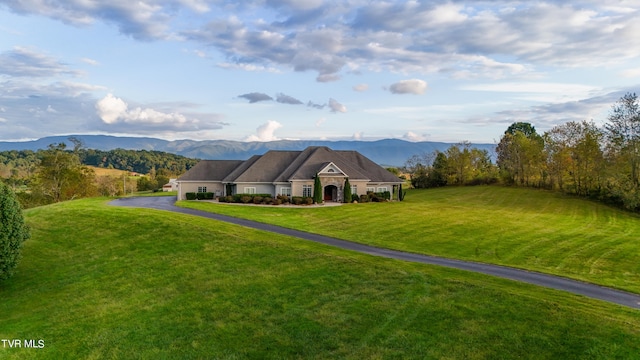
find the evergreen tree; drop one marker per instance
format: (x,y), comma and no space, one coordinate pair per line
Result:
(347,191)
(13,232)
(317,190)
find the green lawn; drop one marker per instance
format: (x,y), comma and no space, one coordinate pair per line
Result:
(531,229)
(98,282)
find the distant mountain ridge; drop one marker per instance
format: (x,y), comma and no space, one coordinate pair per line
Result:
(392,152)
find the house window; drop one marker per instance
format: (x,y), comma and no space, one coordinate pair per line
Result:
(286,191)
(249,190)
(382,189)
(306,190)
(371,189)
(331,171)
(354,189)
(202,189)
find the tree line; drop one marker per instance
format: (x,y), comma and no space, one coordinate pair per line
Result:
(577,157)
(57,173)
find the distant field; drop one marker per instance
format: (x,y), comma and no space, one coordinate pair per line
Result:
(108,172)
(530,229)
(98,281)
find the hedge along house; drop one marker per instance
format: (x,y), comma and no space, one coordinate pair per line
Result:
(290,173)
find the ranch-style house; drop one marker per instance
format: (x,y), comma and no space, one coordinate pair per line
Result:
(290,173)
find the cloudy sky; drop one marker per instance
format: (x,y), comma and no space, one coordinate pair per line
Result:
(284,69)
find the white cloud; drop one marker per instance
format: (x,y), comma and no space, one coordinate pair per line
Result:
(116,114)
(361,87)
(539,91)
(630,73)
(411,136)
(111,109)
(320,121)
(90,61)
(28,62)
(412,86)
(265,132)
(336,106)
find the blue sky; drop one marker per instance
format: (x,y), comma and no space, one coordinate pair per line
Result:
(282,69)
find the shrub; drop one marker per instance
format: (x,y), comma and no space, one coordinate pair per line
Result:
(208,196)
(284,198)
(276,202)
(257,199)
(307,200)
(297,200)
(245,199)
(355,197)
(267,200)
(228,198)
(13,231)
(200,196)
(190,196)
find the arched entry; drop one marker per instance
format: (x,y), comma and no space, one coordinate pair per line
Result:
(331,193)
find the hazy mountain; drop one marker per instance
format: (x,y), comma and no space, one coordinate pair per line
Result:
(385,152)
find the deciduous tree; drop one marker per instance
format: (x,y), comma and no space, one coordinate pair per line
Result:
(60,175)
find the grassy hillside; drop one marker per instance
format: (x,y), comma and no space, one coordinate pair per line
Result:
(99,282)
(530,229)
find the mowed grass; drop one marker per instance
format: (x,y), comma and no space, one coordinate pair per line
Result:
(530,229)
(98,282)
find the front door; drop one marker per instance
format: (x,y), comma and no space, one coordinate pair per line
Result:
(330,193)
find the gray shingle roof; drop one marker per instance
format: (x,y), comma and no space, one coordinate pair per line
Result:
(316,158)
(284,166)
(210,170)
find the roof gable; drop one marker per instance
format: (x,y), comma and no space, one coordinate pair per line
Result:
(330,169)
(312,159)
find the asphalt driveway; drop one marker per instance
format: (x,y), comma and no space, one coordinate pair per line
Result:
(545,280)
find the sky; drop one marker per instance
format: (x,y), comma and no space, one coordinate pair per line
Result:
(263,70)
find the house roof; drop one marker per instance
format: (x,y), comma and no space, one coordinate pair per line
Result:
(284,166)
(210,170)
(315,158)
(265,168)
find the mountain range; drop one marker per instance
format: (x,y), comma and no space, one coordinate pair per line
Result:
(390,152)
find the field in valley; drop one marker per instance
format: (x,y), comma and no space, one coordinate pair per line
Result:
(98,281)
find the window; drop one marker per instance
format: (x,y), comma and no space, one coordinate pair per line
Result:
(249,190)
(382,189)
(354,189)
(331,171)
(202,189)
(286,191)
(371,189)
(306,190)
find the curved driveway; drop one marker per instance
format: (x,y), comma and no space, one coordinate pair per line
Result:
(550,281)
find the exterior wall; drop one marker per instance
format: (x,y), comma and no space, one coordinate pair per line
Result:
(362,186)
(390,187)
(184,187)
(280,186)
(261,188)
(296,187)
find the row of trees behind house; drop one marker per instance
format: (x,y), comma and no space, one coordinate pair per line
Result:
(577,157)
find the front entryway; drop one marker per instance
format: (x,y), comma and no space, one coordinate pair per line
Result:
(331,193)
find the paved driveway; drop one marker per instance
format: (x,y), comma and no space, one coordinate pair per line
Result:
(550,281)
